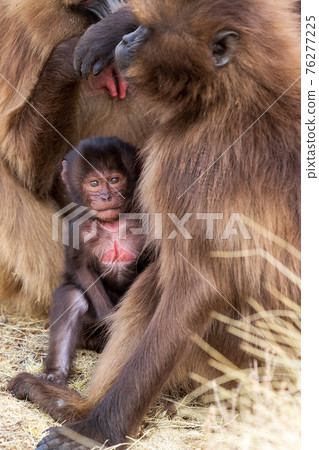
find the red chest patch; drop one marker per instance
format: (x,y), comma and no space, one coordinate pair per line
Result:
(117,254)
(117,250)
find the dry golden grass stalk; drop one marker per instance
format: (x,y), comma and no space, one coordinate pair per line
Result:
(263,411)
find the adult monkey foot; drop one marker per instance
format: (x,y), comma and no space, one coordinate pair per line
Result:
(26,386)
(72,437)
(22,385)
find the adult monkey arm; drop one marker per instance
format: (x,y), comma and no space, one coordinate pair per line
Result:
(45,118)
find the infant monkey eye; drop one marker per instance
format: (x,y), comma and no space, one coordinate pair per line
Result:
(94,183)
(114,180)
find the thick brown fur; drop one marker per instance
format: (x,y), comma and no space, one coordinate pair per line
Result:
(31,150)
(227,141)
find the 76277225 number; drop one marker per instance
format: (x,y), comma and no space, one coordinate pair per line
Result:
(310,44)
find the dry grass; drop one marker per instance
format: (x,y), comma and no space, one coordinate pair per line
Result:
(263,412)
(22,343)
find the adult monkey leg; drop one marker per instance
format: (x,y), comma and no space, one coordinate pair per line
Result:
(128,325)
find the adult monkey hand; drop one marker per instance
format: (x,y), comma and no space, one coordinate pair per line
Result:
(95,54)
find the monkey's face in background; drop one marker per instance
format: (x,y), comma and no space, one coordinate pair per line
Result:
(105,194)
(175,62)
(172,59)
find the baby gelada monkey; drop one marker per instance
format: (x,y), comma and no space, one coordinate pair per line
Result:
(101,176)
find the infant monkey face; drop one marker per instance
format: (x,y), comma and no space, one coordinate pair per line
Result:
(105,193)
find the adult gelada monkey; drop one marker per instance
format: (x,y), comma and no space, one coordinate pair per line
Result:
(223,79)
(42,101)
(101,175)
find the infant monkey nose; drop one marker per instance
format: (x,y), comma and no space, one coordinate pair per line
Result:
(105,197)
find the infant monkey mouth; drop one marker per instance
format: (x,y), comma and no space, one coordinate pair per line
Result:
(101,210)
(108,214)
(108,209)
